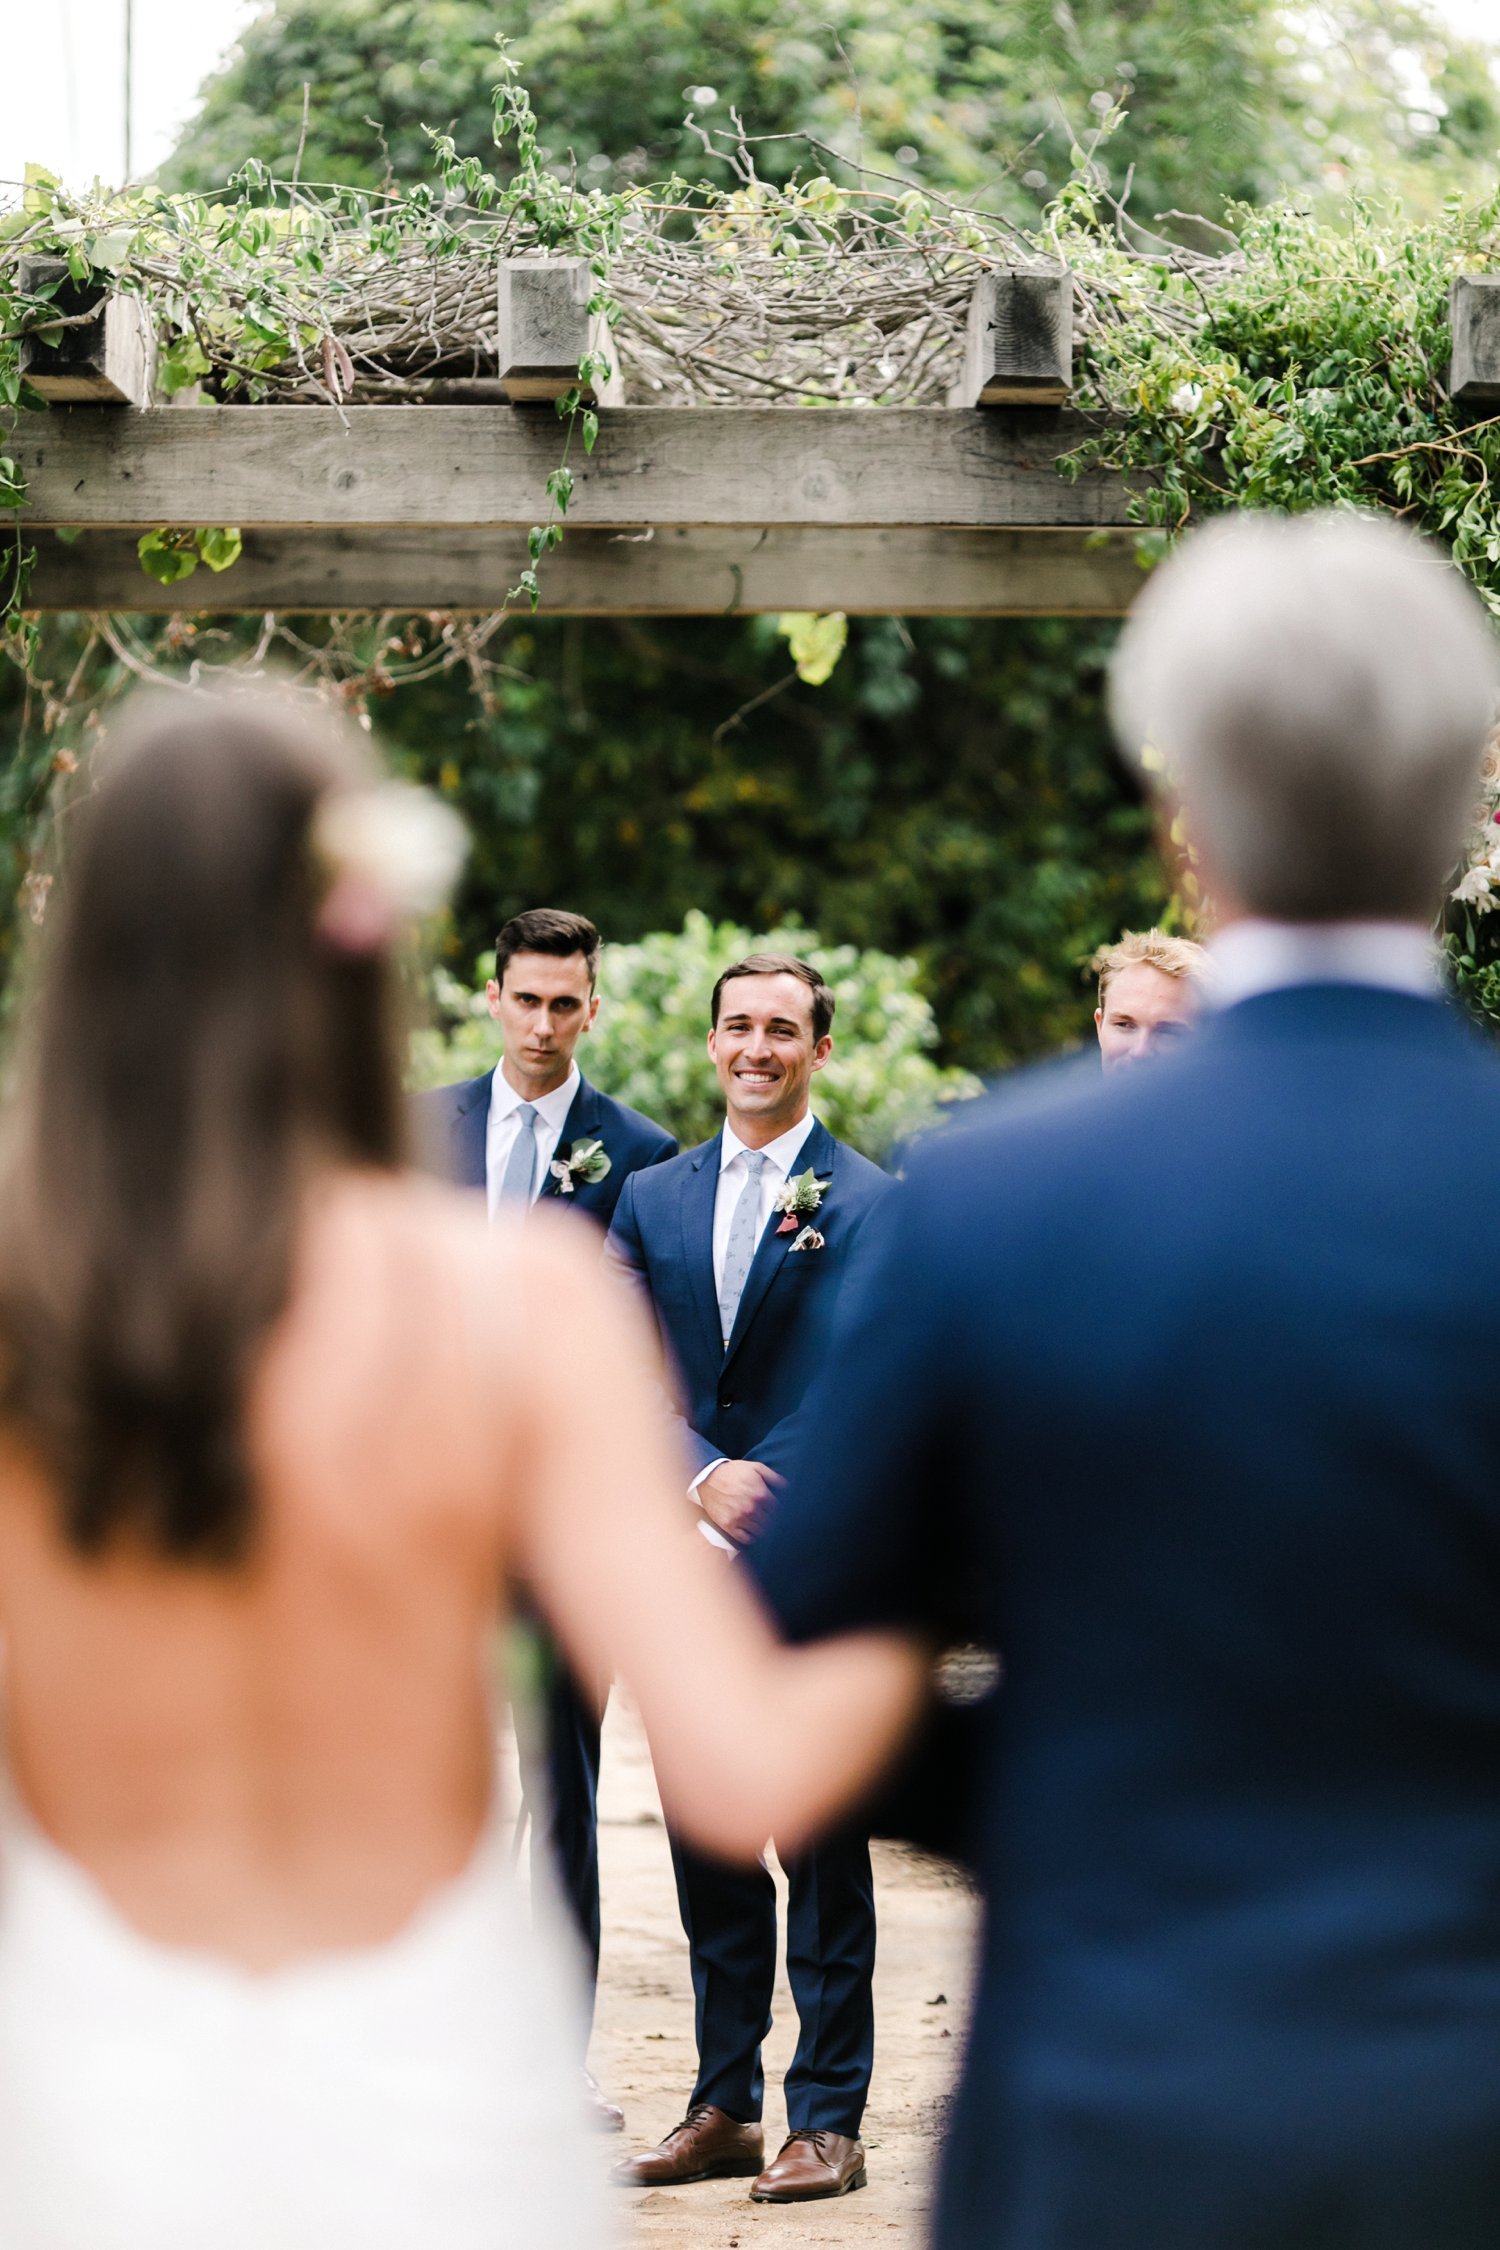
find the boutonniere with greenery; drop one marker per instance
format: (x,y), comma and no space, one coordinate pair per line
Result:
(799,1199)
(808,1239)
(579,1160)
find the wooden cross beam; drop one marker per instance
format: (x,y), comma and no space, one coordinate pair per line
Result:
(672,572)
(688,509)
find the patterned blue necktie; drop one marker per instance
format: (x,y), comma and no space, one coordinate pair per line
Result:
(744,1232)
(520,1169)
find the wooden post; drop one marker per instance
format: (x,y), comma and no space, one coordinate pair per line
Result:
(546,328)
(108,355)
(1474,326)
(1020,343)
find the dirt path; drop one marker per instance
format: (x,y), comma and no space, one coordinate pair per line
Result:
(643,2043)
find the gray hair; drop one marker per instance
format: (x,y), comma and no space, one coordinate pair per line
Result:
(1318,690)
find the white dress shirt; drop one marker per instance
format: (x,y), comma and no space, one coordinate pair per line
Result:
(781,1155)
(503,1126)
(1254,956)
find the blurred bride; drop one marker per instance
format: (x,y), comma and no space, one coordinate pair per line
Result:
(278,1421)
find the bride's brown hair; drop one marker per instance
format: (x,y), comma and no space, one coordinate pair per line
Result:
(194,1050)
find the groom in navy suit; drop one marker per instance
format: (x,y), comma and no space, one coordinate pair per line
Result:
(534,1128)
(743,1246)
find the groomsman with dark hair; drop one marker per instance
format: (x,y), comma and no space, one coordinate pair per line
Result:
(534,1127)
(743,1247)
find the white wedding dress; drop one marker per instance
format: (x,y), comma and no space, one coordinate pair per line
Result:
(423,2094)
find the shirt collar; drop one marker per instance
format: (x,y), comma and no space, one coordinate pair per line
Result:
(1254,956)
(551,1108)
(779,1154)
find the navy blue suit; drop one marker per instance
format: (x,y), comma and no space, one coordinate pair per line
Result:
(456,1119)
(745,1401)
(1182,1391)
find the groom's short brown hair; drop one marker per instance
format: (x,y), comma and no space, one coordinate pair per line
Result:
(547,929)
(782,965)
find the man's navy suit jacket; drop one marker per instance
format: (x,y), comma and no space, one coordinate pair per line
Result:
(743,1402)
(1184,1392)
(455,1122)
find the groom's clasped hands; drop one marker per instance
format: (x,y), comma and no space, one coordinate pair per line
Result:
(736,1497)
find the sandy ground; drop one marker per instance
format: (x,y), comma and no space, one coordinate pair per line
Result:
(643,2042)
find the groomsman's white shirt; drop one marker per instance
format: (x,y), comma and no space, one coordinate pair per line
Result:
(780,1155)
(503,1126)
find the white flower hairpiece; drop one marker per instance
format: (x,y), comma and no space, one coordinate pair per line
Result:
(392,853)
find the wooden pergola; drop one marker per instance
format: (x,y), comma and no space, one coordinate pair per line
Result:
(678,511)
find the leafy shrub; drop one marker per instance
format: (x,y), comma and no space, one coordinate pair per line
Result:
(648,1049)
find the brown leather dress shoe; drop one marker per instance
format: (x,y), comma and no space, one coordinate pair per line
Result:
(607,2116)
(709,2144)
(812,2164)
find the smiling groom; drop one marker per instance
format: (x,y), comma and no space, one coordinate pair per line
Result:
(743,1247)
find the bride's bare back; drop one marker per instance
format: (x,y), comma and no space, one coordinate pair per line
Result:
(289,1754)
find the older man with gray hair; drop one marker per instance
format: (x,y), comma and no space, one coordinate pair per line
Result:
(1179,1389)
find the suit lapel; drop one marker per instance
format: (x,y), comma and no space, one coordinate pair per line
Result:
(698,1195)
(470,1130)
(580,1124)
(817,1153)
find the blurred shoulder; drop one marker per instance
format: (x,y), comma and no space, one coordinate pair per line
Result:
(503,1261)
(1056,1131)
(868,1180)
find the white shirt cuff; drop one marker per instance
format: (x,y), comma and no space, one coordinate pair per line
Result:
(711,1531)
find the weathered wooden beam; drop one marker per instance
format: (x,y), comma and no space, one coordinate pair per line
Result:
(1474,327)
(471,467)
(668,573)
(546,329)
(1019,346)
(104,352)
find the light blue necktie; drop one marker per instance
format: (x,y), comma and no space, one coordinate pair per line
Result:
(520,1169)
(744,1231)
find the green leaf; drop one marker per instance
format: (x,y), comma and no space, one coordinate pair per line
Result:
(108,252)
(219,547)
(41,191)
(167,556)
(183,363)
(590,430)
(816,642)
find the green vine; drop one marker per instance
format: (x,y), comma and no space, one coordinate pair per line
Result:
(1305,370)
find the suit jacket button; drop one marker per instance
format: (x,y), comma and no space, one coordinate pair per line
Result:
(725,1404)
